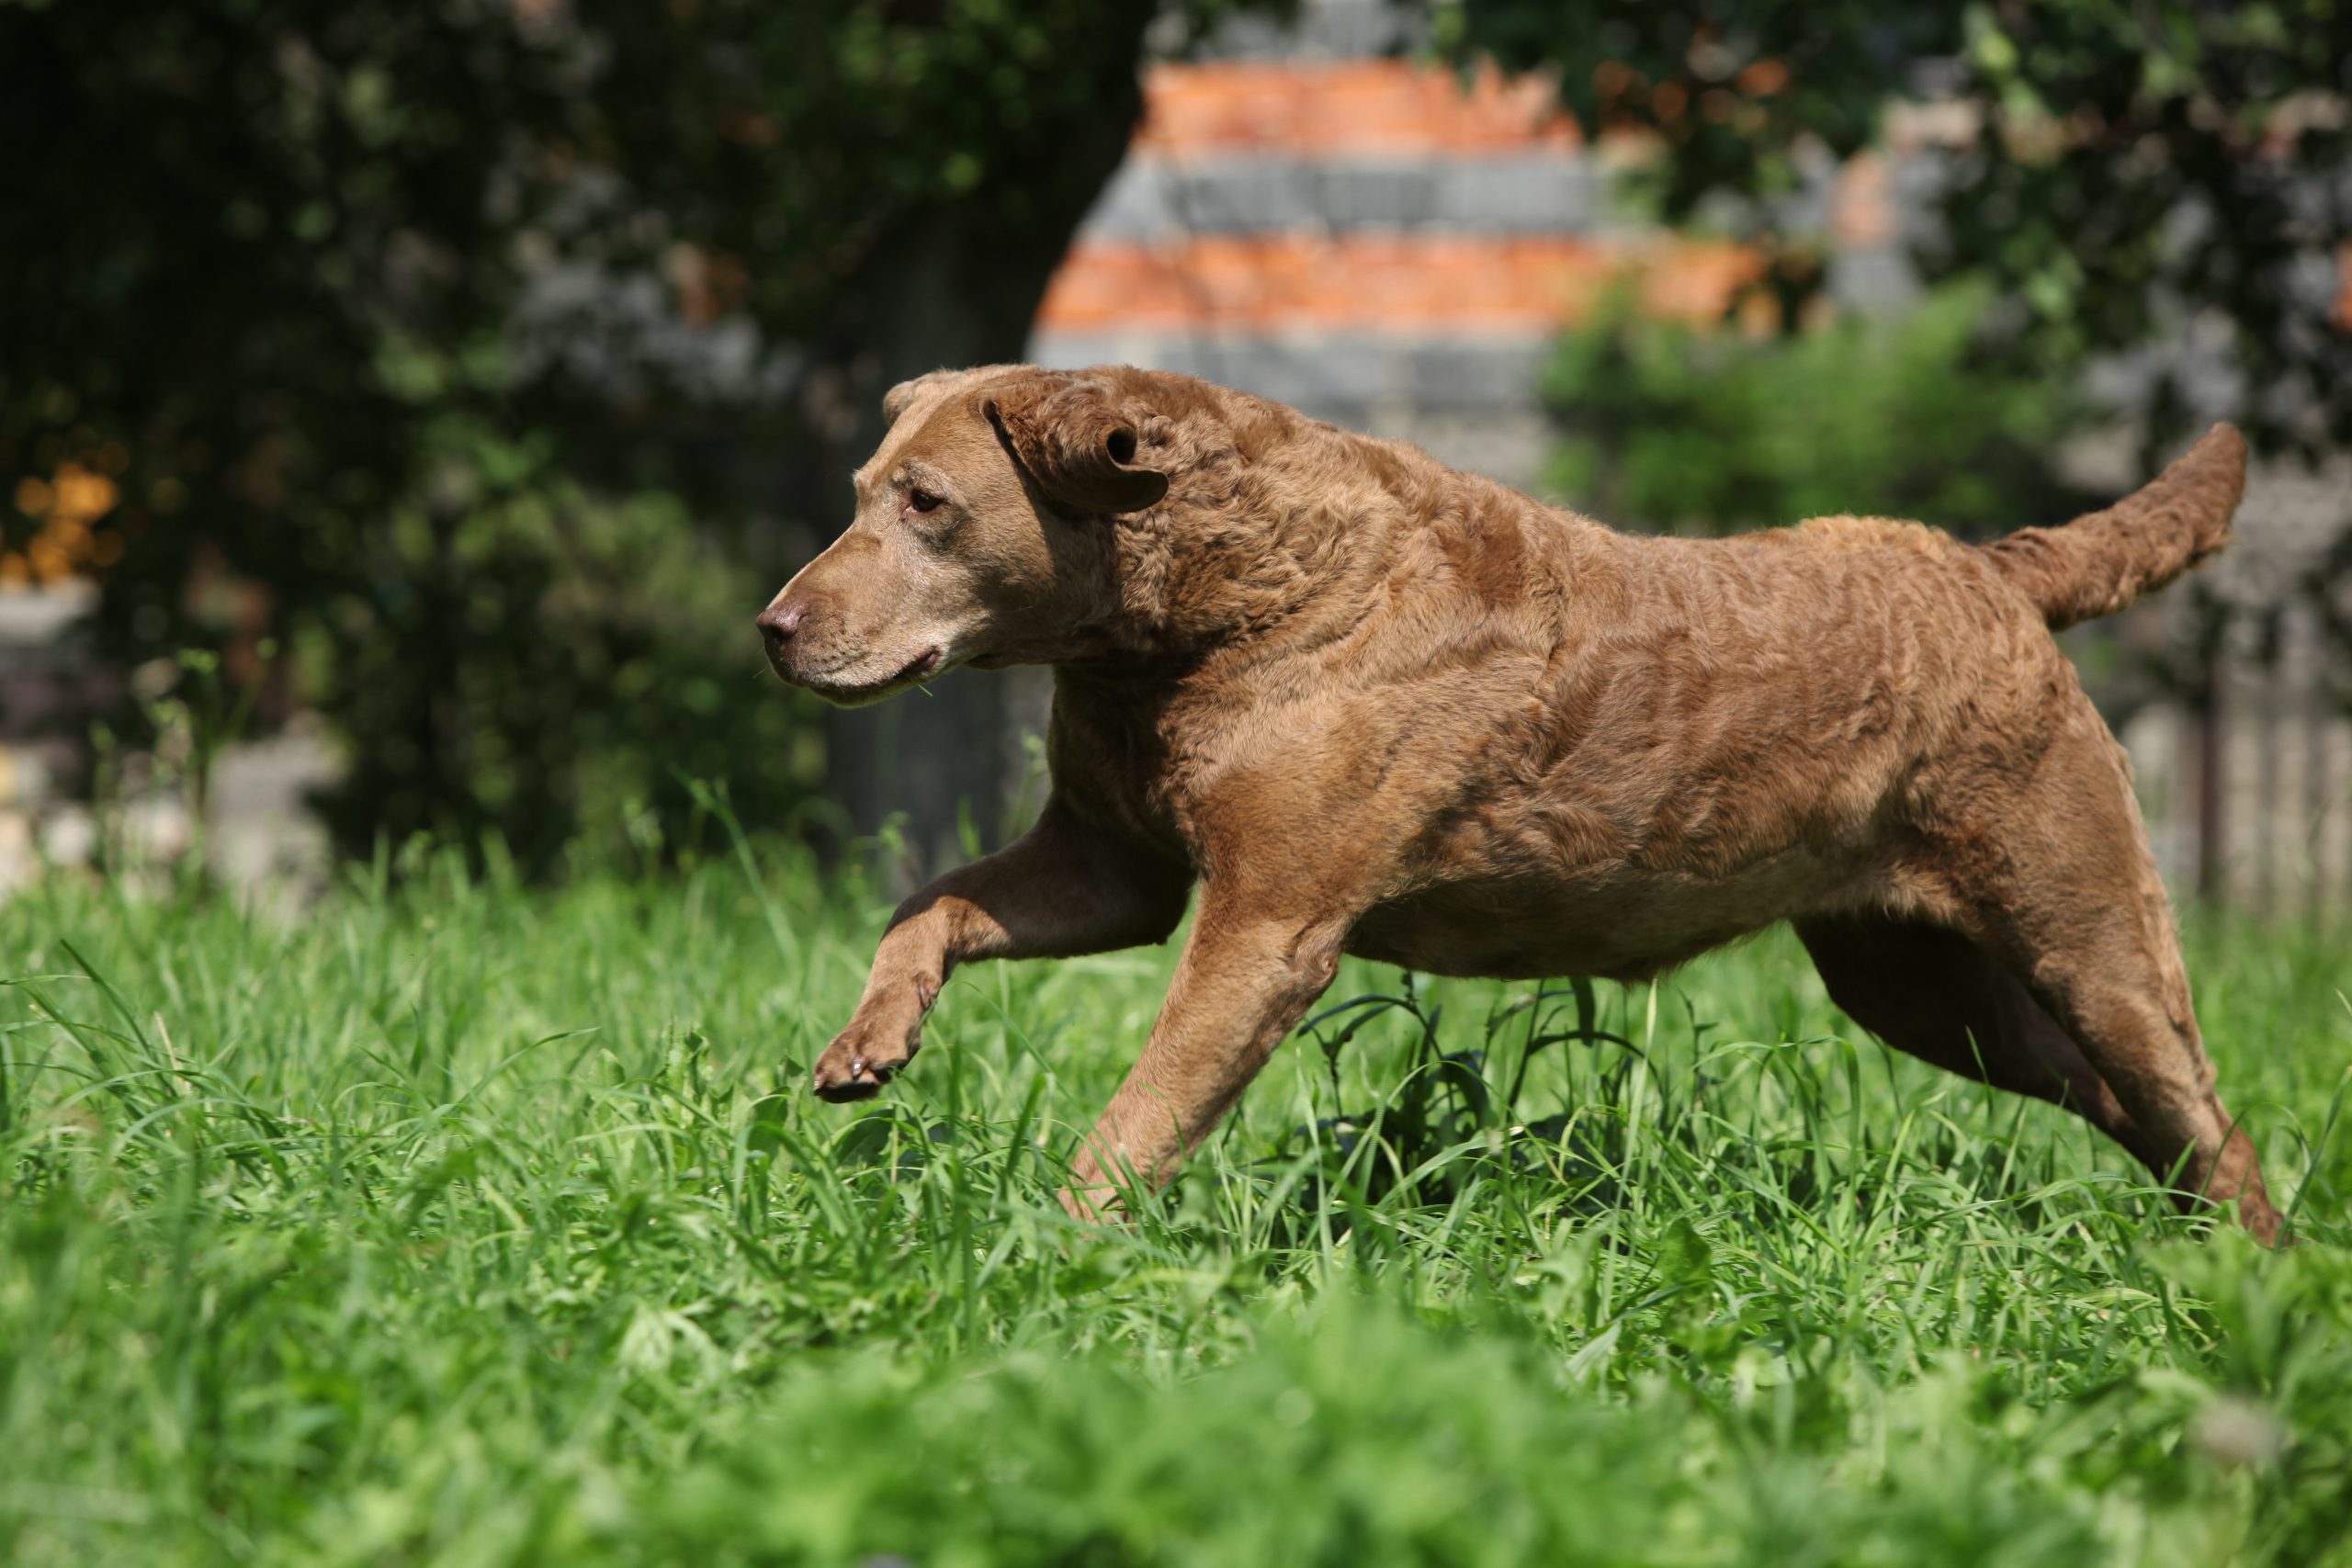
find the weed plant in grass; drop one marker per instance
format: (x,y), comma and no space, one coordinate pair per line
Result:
(452,1222)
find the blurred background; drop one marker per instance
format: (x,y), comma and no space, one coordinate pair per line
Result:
(405,407)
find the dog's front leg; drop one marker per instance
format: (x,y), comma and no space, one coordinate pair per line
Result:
(1064,888)
(1246,978)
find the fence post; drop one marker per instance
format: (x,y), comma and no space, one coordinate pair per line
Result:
(2210,782)
(2317,789)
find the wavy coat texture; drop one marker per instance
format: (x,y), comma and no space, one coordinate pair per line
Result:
(1367,703)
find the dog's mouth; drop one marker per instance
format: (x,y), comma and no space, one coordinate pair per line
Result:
(856,693)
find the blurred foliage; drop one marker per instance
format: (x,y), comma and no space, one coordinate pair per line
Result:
(372,304)
(1671,427)
(535,661)
(2121,168)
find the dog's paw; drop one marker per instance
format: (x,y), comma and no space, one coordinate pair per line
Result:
(872,1051)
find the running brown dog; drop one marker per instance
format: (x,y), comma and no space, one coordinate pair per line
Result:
(1370,705)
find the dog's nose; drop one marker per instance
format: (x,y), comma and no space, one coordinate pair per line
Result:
(778,622)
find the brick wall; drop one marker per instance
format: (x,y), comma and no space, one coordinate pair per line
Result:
(1313,216)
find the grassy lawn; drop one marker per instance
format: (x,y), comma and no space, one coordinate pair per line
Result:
(458,1224)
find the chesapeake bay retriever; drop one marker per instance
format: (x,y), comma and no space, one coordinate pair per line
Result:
(1369,705)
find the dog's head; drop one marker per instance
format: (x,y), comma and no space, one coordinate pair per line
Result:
(981,532)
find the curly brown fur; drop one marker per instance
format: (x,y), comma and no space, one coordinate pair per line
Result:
(1366,703)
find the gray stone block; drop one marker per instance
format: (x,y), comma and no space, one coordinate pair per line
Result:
(1347,377)
(1156,198)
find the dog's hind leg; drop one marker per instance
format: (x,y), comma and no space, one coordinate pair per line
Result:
(1934,994)
(2055,881)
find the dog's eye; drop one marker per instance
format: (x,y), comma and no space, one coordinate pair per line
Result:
(922,500)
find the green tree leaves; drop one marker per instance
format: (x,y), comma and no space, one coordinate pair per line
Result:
(2119,172)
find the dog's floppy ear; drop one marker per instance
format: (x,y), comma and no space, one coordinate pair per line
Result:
(903,396)
(1076,442)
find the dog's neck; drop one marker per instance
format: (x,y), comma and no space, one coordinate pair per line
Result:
(1291,542)
(1274,525)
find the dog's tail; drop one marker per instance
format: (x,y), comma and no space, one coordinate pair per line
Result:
(2098,563)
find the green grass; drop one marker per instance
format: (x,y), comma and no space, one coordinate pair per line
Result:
(458,1223)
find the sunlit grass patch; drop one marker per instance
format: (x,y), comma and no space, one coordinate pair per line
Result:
(456,1223)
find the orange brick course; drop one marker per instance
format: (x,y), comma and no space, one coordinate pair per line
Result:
(1274,283)
(1356,107)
